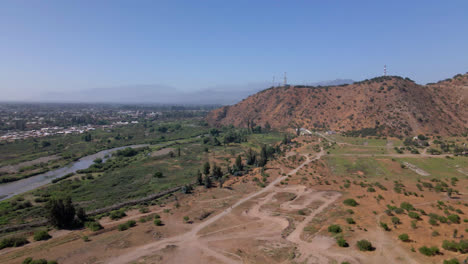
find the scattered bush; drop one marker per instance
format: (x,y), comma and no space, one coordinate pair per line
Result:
(364,245)
(93,226)
(158,222)
(342,242)
(396,220)
(451,261)
(350,221)
(454,218)
(41,235)
(350,202)
(38,261)
(429,251)
(117,214)
(13,242)
(407,206)
(127,225)
(414,215)
(384,226)
(404,237)
(335,229)
(450,245)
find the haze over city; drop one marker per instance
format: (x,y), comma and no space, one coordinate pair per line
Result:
(55,50)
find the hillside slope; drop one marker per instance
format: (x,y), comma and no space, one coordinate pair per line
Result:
(387,105)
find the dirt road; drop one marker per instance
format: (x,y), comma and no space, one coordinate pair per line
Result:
(191,239)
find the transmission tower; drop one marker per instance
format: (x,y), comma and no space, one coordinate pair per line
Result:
(285,79)
(385,70)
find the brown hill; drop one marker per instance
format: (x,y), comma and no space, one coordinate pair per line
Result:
(388,105)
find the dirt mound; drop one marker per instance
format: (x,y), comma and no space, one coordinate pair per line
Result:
(388,105)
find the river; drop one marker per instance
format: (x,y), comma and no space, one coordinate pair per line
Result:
(11,189)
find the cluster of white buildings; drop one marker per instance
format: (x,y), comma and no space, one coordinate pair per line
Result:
(44,132)
(51,131)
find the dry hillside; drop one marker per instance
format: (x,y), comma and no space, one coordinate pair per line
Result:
(384,105)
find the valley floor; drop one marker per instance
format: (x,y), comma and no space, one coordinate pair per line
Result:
(285,222)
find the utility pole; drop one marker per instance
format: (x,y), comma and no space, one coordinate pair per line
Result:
(385,70)
(285,79)
(273,81)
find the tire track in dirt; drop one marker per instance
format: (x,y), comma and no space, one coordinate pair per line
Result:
(192,239)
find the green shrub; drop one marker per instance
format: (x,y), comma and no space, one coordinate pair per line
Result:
(117,214)
(144,210)
(158,222)
(350,202)
(39,261)
(350,221)
(432,221)
(335,229)
(370,189)
(122,227)
(396,220)
(451,261)
(364,245)
(404,237)
(27,260)
(342,242)
(414,215)
(454,218)
(463,246)
(127,225)
(450,245)
(41,235)
(13,242)
(93,226)
(407,206)
(384,226)
(399,210)
(429,251)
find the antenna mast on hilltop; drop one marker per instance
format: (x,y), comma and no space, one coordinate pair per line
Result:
(285,79)
(273,81)
(385,70)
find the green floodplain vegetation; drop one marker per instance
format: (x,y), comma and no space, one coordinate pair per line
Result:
(175,152)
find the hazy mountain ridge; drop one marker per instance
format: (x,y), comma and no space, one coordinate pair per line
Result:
(164,94)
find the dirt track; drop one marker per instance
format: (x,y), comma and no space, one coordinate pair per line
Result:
(192,245)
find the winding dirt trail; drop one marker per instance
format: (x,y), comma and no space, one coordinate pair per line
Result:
(191,239)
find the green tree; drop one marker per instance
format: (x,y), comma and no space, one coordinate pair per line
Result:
(206,168)
(216,171)
(251,157)
(199,178)
(61,212)
(208,181)
(238,163)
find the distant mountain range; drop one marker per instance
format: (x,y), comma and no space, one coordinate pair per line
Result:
(223,94)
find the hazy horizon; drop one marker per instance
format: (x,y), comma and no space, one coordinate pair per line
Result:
(218,51)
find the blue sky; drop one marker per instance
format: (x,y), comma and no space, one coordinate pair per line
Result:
(192,45)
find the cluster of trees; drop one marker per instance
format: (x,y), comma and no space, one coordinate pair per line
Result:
(63,214)
(252,158)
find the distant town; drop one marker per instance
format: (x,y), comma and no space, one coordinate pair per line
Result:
(20,121)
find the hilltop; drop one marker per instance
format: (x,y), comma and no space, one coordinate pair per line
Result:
(387,105)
